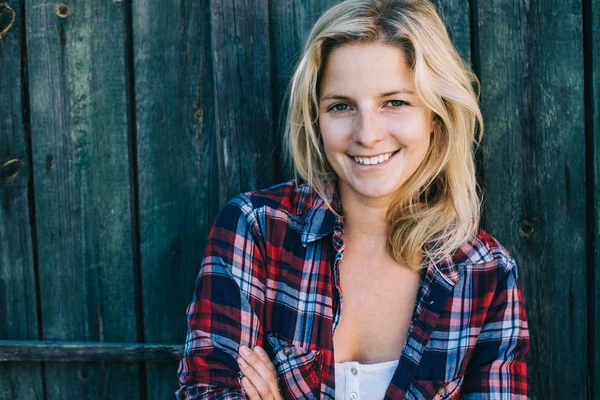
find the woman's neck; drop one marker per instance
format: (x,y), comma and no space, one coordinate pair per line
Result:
(364,220)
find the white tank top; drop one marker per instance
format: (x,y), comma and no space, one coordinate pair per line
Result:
(356,381)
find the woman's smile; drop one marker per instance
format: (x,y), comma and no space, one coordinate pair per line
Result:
(373,162)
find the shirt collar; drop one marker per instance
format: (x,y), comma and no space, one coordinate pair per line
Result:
(473,251)
(317,219)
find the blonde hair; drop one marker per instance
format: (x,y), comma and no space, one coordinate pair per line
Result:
(437,209)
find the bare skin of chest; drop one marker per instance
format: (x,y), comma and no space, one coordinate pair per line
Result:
(378,303)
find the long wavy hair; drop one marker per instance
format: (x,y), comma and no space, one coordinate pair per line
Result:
(437,209)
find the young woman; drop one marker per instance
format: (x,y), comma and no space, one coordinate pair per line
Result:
(367,277)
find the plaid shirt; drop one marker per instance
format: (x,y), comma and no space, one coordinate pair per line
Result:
(269,277)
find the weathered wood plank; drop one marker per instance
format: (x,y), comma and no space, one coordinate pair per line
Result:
(177,164)
(79,108)
(18,299)
(531,60)
(47,350)
(456,16)
(594,195)
(290,22)
(242,71)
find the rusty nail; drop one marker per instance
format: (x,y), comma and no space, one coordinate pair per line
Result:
(198,114)
(62,10)
(6,14)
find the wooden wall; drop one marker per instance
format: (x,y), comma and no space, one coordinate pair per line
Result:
(125,125)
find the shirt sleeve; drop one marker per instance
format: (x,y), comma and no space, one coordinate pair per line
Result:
(498,367)
(227,307)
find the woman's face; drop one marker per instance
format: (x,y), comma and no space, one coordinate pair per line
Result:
(375,129)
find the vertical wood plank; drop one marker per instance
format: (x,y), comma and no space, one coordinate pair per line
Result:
(456,16)
(594,132)
(177,164)
(532,84)
(79,106)
(290,22)
(242,71)
(18,296)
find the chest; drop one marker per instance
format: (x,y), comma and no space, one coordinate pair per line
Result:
(377,307)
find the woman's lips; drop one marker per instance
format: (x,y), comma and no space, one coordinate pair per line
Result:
(368,162)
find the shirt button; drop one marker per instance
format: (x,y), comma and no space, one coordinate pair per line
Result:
(287,350)
(441,391)
(353,371)
(353,396)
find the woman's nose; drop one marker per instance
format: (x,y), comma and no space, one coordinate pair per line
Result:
(368,129)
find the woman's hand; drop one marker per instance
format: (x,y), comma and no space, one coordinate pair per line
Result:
(260,375)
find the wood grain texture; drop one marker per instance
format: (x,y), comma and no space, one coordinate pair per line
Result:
(18,296)
(81,171)
(456,16)
(531,60)
(47,350)
(242,77)
(594,133)
(177,165)
(290,22)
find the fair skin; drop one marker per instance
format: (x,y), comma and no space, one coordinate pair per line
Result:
(375,132)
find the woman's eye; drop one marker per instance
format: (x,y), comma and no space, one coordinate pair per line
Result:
(340,107)
(397,103)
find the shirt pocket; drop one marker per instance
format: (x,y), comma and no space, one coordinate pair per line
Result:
(299,369)
(435,390)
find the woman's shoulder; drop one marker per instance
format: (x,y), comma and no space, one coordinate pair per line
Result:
(485,252)
(290,197)
(287,205)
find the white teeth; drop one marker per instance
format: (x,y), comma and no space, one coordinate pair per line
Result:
(373,160)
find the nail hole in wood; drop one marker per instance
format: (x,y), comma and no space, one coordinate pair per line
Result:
(526,229)
(83,375)
(63,10)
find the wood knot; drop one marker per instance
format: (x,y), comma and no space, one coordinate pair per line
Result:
(7,18)
(83,375)
(62,10)
(198,114)
(10,169)
(526,229)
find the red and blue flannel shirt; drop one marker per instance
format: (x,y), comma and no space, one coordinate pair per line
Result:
(269,277)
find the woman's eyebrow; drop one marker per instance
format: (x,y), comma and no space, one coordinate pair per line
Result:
(401,91)
(334,96)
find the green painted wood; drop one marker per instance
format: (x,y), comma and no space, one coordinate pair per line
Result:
(18,308)
(48,350)
(81,168)
(290,22)
(456,16)
(531,60)
(243,109)
(595,148)
(177,164)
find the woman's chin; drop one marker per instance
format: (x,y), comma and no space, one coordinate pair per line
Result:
(371,192)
